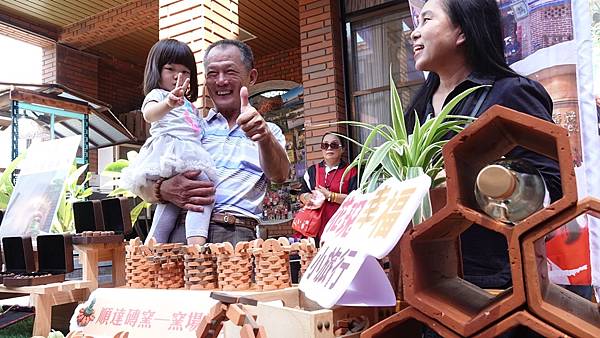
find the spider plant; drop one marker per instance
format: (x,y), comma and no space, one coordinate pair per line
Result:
(403,155)
(73,192)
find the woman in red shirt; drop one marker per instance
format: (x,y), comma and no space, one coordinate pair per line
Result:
(329,173)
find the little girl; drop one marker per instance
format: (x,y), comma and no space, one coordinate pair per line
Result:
(170,83)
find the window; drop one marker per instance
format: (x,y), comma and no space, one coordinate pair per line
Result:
(375,41)
(284,106)
(20,61)
(357,5)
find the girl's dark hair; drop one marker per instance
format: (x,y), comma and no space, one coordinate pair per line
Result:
(479,21)
(170,51)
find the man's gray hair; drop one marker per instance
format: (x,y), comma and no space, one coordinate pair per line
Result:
(245,52)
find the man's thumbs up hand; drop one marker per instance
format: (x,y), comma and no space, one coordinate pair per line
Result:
(251,122)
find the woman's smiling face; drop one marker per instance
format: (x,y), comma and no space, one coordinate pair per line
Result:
(435,37)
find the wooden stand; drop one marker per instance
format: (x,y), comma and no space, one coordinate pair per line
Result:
(44,297)
(91,254)
(299,317)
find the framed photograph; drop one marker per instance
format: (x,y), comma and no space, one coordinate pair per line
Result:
(520,10)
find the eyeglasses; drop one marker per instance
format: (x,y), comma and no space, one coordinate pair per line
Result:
(332,145)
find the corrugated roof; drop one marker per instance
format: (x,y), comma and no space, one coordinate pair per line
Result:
(105,128)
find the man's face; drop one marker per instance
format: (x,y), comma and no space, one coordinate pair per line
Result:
(225,75)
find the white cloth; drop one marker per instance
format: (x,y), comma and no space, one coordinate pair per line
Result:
(174,147)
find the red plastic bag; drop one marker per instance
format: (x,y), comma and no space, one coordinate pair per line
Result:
(308,222)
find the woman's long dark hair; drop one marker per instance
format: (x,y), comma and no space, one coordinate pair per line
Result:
(479,21)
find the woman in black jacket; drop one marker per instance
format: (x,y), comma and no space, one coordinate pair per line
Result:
(460,43)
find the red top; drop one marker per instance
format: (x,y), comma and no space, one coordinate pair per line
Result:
(332,182)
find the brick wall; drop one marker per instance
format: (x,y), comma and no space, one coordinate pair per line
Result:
(322,71)
(110,24)
(93,167)
(284,65)
(49,64)
(120,85)
(115,82)
(553,24)
(77,70)
(17,27)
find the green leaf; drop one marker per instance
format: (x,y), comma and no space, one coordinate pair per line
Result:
(121,192)
(137,210)
(375,161)
(396,110)
(114,169)
(75,173)
(375,181)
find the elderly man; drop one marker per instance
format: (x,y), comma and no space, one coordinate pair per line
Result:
(247,151)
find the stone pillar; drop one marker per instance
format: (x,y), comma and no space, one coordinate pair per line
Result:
(322,71)
(199,23)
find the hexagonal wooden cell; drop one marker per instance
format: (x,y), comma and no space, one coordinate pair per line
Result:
(522,321)
(407,323)
(493,135)
(566,310)
(432,271)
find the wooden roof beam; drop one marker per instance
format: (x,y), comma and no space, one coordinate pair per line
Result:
(111,24)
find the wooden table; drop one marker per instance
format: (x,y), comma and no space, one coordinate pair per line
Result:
(44,297)
(91,254)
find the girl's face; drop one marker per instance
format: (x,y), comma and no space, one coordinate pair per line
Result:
(168,75)
(435,38)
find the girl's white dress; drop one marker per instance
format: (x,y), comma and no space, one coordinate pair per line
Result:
(174,147)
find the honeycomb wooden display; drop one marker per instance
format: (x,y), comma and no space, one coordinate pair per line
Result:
(431,260)
(140,270)
(234,265)
(565,310)
(272,264)
(168,259)
(200,268)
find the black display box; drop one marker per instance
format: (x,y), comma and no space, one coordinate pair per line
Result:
(55,259)
(116,213)
(88,216)
(18,254)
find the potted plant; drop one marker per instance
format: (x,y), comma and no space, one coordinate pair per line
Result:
(405,156)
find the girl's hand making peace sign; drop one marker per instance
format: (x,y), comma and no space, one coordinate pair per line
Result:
(176,97)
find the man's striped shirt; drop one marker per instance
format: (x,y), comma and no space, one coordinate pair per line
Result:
(242,183)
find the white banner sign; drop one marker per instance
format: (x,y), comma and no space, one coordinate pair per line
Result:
(365,227)
(142,313)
